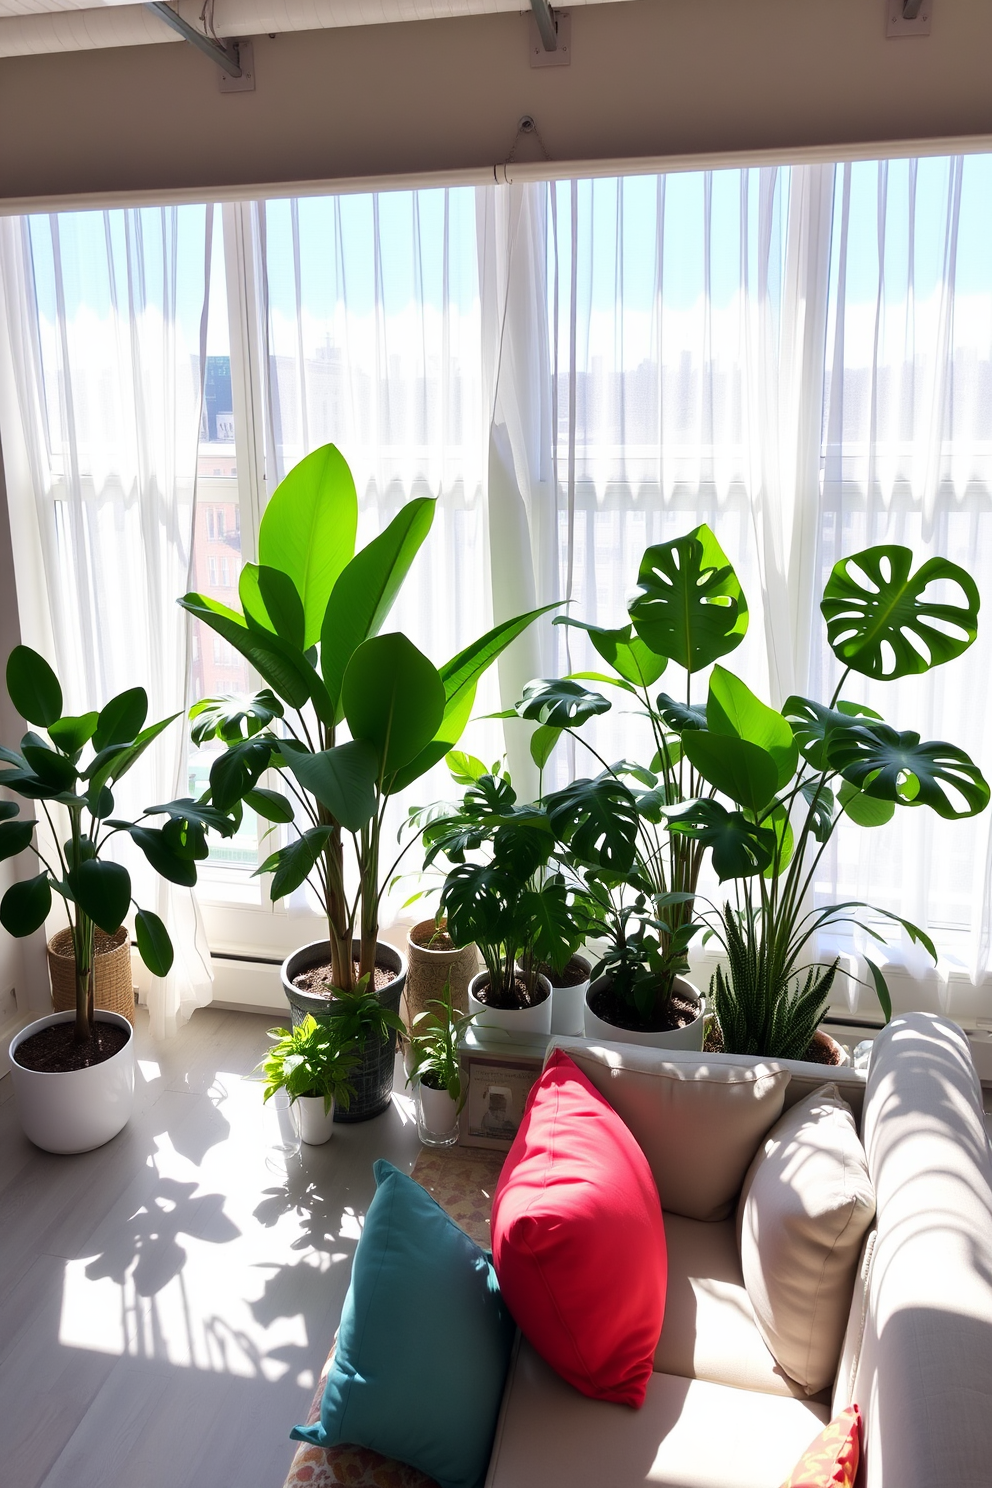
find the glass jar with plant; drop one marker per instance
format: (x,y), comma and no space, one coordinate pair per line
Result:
(72,776)
(792,776)
(313,1063)
(687,611)
(311,614)
(435,1072)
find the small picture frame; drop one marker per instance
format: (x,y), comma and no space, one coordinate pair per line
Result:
(497,1090)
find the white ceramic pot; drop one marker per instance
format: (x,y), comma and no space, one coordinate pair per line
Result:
(316,1124)
(689,1037)
(568,1006)
(76,1110)
(512,1020)
(437,1117)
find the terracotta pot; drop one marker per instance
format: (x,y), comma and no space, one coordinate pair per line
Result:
(427,971)
(689,1037)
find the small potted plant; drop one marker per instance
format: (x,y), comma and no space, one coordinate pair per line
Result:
(73,1071)
(434,1070)
(638,992)
(313,1063)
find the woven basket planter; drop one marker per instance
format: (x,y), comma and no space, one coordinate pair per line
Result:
(114,989)
(427,971)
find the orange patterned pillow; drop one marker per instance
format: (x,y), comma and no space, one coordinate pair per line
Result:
(832,1460)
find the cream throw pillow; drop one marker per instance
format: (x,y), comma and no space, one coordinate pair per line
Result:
(805,1207)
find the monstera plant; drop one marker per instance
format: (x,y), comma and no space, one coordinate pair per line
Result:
(77,768)
(687,611)
(348,716)
(780,782)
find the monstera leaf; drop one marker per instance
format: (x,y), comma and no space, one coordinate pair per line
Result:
(879,621)
(897,767)
(681,716)
(689,605)
(598,819)
(477,903)
(739,848)
(560,702)
(812,722)
(623,650)
(223,717)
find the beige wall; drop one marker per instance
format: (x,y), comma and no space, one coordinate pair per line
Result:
(648,78)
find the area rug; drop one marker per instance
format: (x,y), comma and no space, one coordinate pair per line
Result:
(462,1181)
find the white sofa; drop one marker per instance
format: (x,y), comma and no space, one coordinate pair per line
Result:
(917,1355)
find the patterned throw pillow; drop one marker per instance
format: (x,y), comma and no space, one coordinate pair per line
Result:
(832,1460)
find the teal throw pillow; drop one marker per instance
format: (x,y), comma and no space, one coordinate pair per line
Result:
(424,1342)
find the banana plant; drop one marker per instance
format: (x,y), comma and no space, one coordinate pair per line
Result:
(790,777)
(54,773)
(687,611)
(348,716)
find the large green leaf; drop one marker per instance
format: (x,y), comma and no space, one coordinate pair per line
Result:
(103,891)
(270,602)
(680,716)
(342,779)
(122,719)
(542,743)
(739,848)
(689,605)
(177,867)
(394,698)
(271,805)
(460,676)
(560,702)
(626,652)
(33,687)
(308,531)
(478,903)
(291,865)
(154,943)
(70,734)
(366,589)
(238,770)
(745,772)
(15,836)
(282,666)
(26,905)
(812,722)
(866,811)
(880,622)
(598,819)
(732,708)
(114,761)
(54,770)
(222,717)
(894,766)
(552,931)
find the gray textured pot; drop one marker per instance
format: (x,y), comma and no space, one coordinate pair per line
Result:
(373,1080)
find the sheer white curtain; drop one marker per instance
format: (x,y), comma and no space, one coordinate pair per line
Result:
(105,314)
(907,458)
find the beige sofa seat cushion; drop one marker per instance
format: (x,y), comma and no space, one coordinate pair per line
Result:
(802,1217)
(698,1121)
(709,1331)
(688,1434)
(924,1381)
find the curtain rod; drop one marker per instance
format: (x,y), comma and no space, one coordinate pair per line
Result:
(518,172)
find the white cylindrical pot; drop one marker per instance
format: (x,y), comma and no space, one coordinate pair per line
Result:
(437,1117)
(530,1020)
(74,1110)
(689,1037)
(316,1124)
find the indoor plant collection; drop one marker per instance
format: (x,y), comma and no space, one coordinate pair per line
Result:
(312,612)
(73,1071)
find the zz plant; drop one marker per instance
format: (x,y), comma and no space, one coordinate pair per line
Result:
(77,768)
(348,716)
(779,783)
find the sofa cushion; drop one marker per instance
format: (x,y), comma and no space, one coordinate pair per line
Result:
(850,1354)
(578,1238)
(803,1213)
(424,1342)
(832,1460)
(709,1331)
(688,1434)
(698,1121)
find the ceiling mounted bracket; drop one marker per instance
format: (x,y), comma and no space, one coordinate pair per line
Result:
(908,17)
(226,58)
(550,35)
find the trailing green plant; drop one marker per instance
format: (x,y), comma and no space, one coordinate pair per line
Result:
(311,614)
(688,610)
(791,776)
(58,775)
(435,1044)
(315,1059)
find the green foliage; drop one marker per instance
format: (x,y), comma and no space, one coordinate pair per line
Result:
(897,767)
(434,1047)
(561,702)
(763,1007)
(689,605)
(621,649)
(314,1059)
(642,962)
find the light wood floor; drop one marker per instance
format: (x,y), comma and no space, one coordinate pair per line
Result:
(166,1303)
